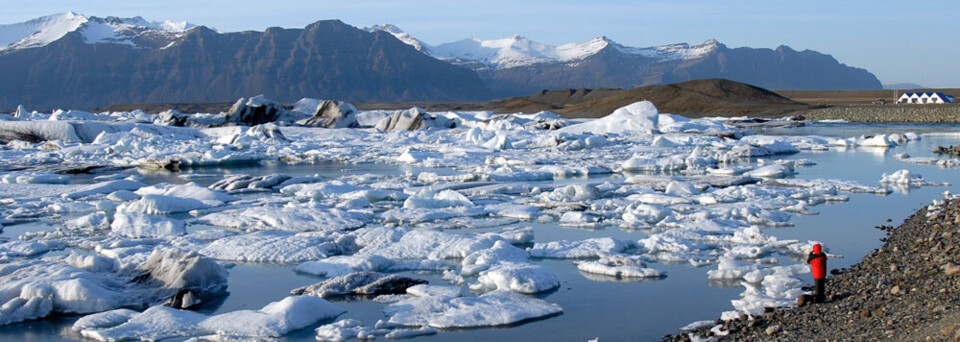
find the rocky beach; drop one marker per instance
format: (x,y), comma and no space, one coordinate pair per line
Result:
(907,290)
(935,113)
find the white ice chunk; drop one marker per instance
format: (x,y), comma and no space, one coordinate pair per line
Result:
(517,277)
(589,248)
(104,319)
(273,246)
(572,193)
(441,199)
(495,308)
(483,259)
(640,117)
(344,264)
(620,266)
(134,225)
(161,204)
(18,248)
(156,323)
(299,218)
(424,290)
(209,197)
(273,320)
(431,244)
(104,188)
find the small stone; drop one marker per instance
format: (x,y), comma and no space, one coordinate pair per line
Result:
(950,269)
(772,330)
(865,314)
(895,290)
(947,234)
(893,268)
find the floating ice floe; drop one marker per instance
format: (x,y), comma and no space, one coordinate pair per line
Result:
(273,320)
(589,248)
(518,277)
(620,266)
(275,246)
(905,177)
(104,188)
(339,265)
(295,218)
(135,225)
(484,259)
(495,308)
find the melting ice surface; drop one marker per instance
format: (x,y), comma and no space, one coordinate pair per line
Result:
(625,228)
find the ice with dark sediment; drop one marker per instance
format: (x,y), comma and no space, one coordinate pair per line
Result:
(361,284)
(38,288)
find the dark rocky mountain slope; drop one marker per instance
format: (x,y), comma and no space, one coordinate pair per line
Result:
(327,60)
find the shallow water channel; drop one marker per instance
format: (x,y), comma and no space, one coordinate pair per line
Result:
(602,307)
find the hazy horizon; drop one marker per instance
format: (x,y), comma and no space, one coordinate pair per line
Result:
(879,37)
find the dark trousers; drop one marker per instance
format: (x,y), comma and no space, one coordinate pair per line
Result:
(819,291)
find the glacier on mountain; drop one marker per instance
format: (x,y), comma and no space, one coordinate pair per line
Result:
(517,50)
(94,30)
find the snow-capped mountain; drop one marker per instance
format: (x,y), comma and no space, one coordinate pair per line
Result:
(135,31)
(404,37)
(516,65)
(76,61)
(72,61)
(517,50)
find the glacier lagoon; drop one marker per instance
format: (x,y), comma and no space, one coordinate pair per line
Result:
(719,257)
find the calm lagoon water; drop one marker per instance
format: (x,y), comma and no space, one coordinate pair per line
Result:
(603,307)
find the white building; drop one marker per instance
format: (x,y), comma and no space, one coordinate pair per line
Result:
(928,97)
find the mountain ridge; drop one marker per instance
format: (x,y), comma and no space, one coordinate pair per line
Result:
(517,65)
(77,61)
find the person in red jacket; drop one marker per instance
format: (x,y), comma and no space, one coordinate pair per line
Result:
(818,262)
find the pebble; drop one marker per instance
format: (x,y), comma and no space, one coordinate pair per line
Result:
(772,330)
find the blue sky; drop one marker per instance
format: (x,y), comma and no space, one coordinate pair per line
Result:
(898,41)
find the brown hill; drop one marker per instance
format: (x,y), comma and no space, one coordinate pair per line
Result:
(699,98)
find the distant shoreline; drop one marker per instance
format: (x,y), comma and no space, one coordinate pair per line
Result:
(891,113)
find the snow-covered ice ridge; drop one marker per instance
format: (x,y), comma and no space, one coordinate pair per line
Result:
(517,50)
(694,186)
(94,30)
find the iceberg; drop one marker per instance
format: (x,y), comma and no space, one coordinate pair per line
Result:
(637,118)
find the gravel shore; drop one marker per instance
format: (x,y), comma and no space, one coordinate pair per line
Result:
(907,290)
(943,113)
